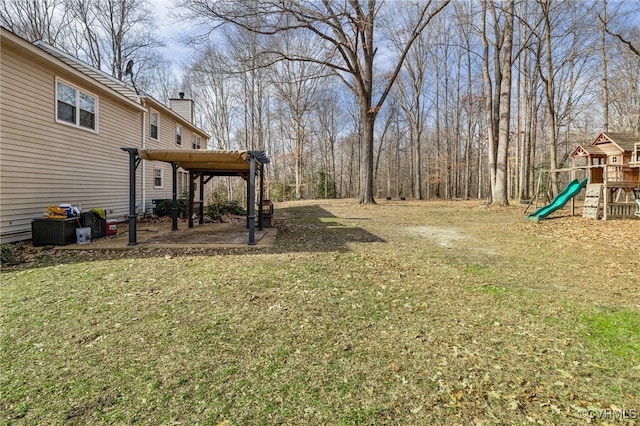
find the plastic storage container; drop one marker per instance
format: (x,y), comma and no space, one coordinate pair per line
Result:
(54,232)
(97,224)
(83,235)
(112,227)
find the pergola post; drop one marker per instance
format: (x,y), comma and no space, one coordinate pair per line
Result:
(133,165)
(174,206)
(192,178)
(261,198)
(201,200)
(246,178)
(251,200)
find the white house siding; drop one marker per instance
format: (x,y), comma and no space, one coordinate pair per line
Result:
(43,162)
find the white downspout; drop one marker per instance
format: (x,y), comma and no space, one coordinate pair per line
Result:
(144,173)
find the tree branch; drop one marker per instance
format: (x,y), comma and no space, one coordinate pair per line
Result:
(619,37)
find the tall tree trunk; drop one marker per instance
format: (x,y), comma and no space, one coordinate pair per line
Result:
(603,56)
(366,160)
(500,195)
(437,157)
(298,158)
(417,133)
(550,93)
(488,99)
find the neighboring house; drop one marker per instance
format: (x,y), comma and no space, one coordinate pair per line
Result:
(62,124)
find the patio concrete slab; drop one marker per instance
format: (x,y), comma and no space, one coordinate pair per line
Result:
(158,234)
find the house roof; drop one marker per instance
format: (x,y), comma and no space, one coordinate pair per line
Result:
(100,76)
(114,84)
(624,141)
(211,162)
(37,50)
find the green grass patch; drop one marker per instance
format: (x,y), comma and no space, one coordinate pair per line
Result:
(498,292)
(477,270)
(613,334)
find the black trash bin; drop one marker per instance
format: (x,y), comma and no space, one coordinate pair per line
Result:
(97,224)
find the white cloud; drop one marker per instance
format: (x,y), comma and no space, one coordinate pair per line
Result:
(172,31)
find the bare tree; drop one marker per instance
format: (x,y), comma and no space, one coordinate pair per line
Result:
(328,116)
(623,39)
(114,32)
(464,15)
(160,82)
(625,96)
(603,58)
(346,30)
(46,20)
(296,84)
(212,85)
(498,100)
(547,75)
(411,89)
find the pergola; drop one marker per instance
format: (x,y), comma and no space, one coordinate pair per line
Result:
(202,165)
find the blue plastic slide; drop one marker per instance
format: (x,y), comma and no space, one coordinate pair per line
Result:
(571,190)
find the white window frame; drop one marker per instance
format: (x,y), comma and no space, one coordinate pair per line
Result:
(78,93)
(178,134)
(183,183)
(153,113)
(195,141)
(161,177)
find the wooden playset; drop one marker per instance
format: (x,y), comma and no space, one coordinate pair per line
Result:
(612,162)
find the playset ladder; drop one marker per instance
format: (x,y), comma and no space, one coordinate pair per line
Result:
(592,201)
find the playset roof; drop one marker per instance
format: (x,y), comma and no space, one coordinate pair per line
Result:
(623,141)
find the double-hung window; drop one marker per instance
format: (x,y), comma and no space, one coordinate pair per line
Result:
(76,107)
(154,121)
(157,178)
(178,135)
(195,142)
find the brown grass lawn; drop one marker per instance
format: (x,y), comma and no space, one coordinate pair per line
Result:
(409,313)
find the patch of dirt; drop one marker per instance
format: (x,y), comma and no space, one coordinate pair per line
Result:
(445,237)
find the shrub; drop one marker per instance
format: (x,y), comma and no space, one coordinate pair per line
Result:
(164,208)
(8,253)
(282,192)
(217,209)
